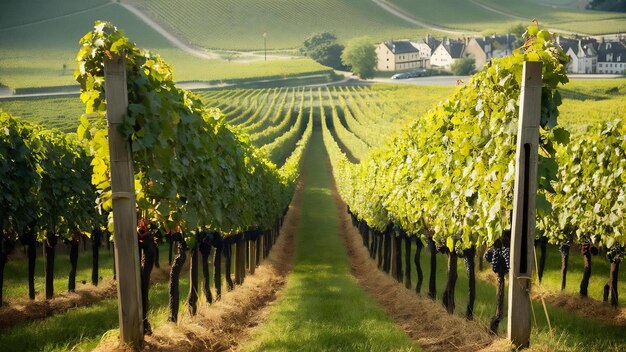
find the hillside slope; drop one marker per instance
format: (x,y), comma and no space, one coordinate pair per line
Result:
(240,24)
(39,41)
(498,15)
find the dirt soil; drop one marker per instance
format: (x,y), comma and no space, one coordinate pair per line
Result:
(19,311)
(582,306)
(224,325)
(424,320)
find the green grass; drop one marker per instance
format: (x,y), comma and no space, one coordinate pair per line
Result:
(572,332)
(240,24)
(16,271)
(61,332)
(322,307)
(80,329)
(589,102)
(600,268)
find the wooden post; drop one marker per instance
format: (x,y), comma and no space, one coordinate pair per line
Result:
(252,256)
(523,222)
(237,261)
(392,255)
(124,207)
(261,245)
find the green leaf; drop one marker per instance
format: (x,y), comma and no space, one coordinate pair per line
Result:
(561,135)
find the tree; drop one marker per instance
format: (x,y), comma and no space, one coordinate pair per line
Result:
(360,56)
(323,48)
(608,5)
(518,31)
(464,66)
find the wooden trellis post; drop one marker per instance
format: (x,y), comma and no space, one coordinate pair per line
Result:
(252,255)
(523,222)
(124,207)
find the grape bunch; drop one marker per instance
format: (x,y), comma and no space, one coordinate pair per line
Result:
(615,254)
(499,258)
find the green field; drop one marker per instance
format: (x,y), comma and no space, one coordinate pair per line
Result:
(470,16)
(585,102)
(40,39)
(578,4)
(575,20)
(62,113)
(588,102)
(240,24)
(34,55)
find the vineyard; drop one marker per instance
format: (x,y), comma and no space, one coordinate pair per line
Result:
(278,198)
(478,15)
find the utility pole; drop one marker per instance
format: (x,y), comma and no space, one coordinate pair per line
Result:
(265,44)
(523,223)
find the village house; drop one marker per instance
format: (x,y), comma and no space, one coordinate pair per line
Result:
(612,57)
(483,49)
(582,53)
(587,55)
(426,46)
(398,55)
(448,52)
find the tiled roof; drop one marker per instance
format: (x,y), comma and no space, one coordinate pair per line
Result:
(615,49)
(401,47)
(454,48)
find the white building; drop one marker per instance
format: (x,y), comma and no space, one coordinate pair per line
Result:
(582,53)
(398,55)
(448,52)
(612,57)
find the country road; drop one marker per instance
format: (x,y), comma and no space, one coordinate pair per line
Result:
(169,36)
(243,56)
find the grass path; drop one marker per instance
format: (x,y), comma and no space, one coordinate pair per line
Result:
(322,307)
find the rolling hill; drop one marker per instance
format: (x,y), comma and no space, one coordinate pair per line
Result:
(240,24)
(39,40)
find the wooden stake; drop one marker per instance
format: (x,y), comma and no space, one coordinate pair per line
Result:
(124,207)
(252,256)
(523,222)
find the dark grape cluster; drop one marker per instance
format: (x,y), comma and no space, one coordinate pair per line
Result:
(499,258)
(564,249)
(442,248)
(615,254)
